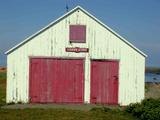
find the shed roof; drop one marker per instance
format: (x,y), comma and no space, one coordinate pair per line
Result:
(65,15)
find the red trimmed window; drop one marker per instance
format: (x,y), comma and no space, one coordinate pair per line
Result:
(77,33)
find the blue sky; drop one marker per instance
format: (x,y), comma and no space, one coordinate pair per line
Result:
(136,20)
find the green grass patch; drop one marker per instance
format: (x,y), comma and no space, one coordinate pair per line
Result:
(62,114)
(2,76)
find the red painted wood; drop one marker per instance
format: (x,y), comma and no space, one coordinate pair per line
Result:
(77,33)
(56,81)
(104,82)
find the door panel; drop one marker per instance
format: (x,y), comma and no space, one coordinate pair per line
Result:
(56,80)
(104,82)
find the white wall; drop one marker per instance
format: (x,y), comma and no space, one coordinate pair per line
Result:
(102,44)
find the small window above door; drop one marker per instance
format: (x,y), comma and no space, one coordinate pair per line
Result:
(77,33)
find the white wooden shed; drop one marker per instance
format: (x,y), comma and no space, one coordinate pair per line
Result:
(75,59)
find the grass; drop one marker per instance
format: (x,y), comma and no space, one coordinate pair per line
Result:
(2,76)
(62,114)
(57,114)
(2,88)
(152,90)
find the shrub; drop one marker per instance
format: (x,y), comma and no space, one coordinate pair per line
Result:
(151,103)
(148,109)
(136,109)
(152,114)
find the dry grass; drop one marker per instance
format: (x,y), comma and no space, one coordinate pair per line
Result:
(3,69)
(152,90)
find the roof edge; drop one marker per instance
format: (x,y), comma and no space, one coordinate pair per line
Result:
(66,14)
(115,33)
(41,30)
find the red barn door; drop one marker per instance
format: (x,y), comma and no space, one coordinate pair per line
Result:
(104,82)
(56,80)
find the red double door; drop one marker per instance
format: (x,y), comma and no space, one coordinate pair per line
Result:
(56,80)
(104,82)
(62,81)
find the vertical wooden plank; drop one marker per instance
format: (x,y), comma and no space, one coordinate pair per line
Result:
(104,82)
(70,82)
